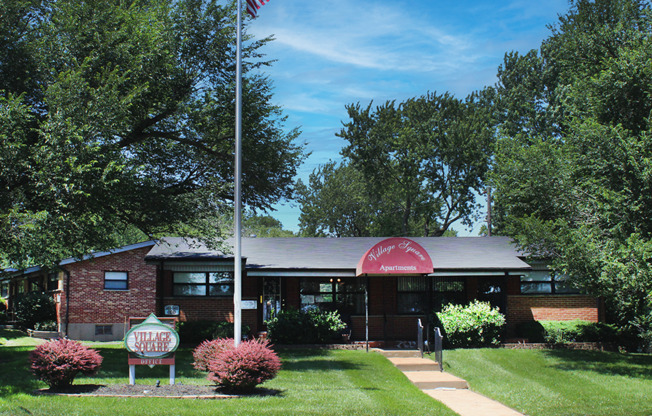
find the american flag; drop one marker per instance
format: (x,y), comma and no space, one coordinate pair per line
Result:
(253,6)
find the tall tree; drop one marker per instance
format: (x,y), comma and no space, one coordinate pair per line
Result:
(336,202)
(117,114)
(577,187)
(422,161)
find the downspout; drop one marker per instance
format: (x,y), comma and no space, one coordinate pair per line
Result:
(67,273)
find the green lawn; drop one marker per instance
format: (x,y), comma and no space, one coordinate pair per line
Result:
(558,382)
(316,382)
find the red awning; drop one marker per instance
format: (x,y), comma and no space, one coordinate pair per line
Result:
(395,256)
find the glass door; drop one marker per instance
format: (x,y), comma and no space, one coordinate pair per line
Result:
(271,297)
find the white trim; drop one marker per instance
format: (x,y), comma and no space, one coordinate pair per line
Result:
(108,253)
(456,274)
(300,273)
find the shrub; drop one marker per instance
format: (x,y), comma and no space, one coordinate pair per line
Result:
(34,307)
(208,350)
(291,326)
(195,332)
(243,368)
(59,362)
(327,326)
(471,326)
(46,326)
(564,332)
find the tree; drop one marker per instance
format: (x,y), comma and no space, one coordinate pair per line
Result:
(577,187)
(115,115)
(263,226)
(421,162)
(336,203)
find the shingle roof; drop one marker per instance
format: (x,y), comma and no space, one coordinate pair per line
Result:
(447,253)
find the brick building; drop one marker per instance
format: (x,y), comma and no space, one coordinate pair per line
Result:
(178,277)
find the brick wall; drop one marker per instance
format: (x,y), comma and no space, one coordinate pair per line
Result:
(200,308)
(552,308)
(91,303)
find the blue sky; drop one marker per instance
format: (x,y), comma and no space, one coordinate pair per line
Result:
(337,52)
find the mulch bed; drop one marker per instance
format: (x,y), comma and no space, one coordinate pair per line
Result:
(177,391)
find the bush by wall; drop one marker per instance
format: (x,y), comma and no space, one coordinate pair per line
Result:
(243,368)
(34,307)
(208,350)
(195,332)
(564,332)
(474,325)
(291,326)
(59,362)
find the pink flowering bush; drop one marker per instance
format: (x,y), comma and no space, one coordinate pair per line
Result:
(243,368)
(59,362)
(208,350)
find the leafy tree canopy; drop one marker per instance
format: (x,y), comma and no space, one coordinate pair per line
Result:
(118,116)
(572,171)
(410,169)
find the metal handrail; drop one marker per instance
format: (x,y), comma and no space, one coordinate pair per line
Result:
(438,349)
(420,336)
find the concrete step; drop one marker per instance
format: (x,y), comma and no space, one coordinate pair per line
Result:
(414,363)
(426,380)
(400,353)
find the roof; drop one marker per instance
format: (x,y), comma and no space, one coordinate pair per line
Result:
(296,253)
(15,272)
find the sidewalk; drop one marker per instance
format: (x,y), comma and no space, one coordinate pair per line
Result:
(450,390)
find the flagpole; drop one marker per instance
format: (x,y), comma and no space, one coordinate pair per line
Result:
(237,226)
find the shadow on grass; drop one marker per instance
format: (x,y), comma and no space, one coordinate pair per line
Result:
(609,363)
(12,333)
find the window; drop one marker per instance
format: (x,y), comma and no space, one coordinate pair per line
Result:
(346,295)
(447,290)
(412,294)
(53,281)
(4,289)
(103,329)
(36,284)
(202,284)
(116,280)
(545,282)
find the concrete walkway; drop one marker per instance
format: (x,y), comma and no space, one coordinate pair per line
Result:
(448,389)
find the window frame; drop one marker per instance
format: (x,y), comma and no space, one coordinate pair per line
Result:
(552,282)
(206,284)
(107,280)
(101,330)
(340,289)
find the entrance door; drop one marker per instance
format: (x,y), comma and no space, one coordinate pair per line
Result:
(271,297)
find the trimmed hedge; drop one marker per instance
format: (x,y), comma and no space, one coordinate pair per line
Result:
(59,362)
(291,326)
(475,325)
(208,350)
(34,307)
(242,368)
(565,332)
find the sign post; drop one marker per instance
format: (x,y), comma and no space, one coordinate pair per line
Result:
(151,343)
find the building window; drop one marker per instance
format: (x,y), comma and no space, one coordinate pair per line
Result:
(345,295)
(36,284)
(202,284)
(412,294)
(116,280)
(53,281)
(4,289)
(103,329)
(545,282)
(447,290)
